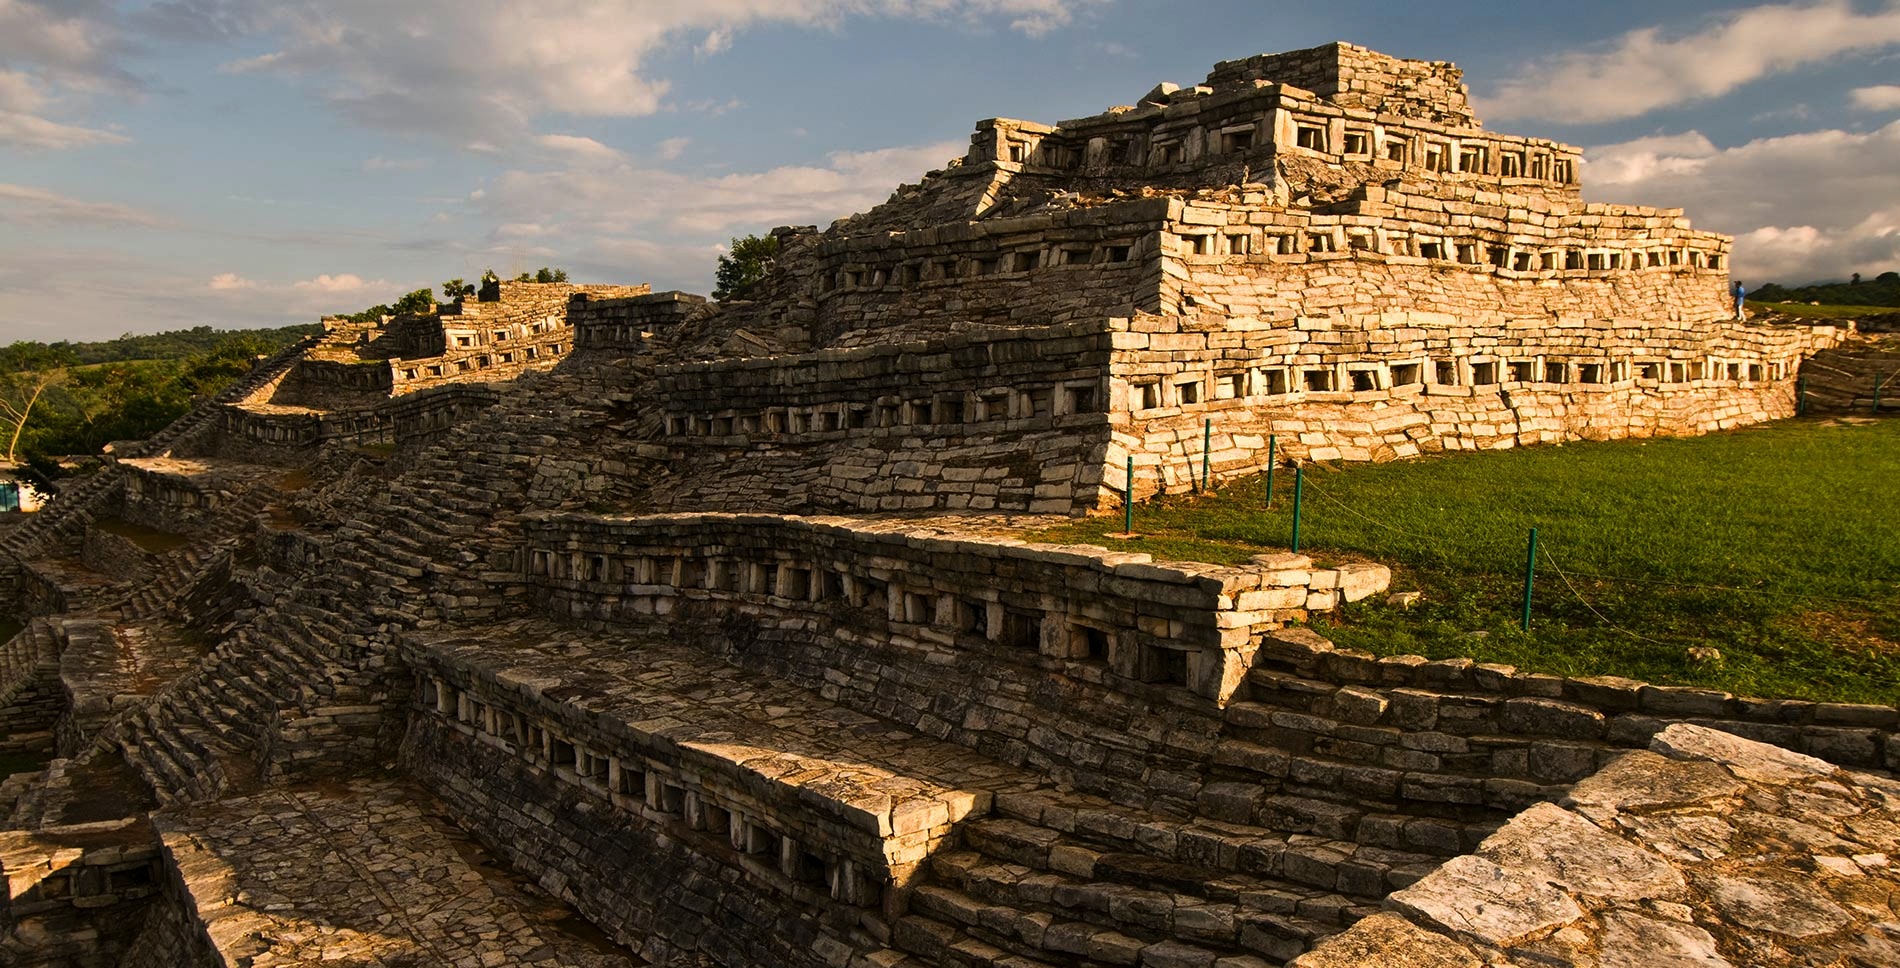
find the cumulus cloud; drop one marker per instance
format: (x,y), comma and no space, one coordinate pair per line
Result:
(52,56)
(484,70)
(672,148)
(620,198)
(1644,70)
(1880,97)
(26,204)
(1808,206)
(343,283)
(577,148)
(229,281)
(380,163)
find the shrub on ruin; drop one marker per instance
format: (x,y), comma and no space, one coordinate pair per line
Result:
(744,266)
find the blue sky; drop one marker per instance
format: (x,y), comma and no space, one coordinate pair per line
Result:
(244,162)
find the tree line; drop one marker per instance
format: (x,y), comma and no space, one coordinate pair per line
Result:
(1881,290)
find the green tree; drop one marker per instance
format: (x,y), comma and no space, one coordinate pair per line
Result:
(418,303)
(30,370)
(744,266)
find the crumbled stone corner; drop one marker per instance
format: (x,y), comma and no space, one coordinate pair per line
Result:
(1708,849)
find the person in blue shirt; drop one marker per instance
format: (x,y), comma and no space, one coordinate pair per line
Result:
(1740,294)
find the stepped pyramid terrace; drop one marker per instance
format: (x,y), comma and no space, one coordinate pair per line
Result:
(591,625)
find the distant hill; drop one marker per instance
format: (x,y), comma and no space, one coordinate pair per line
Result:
(74,397)
(176,344)
(1881,290)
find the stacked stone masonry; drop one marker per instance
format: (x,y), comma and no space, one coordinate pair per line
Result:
(588,625)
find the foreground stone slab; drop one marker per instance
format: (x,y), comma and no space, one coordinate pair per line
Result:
(1713,851)
(363,875)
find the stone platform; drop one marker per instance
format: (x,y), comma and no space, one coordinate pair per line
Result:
(364,874)
(654,726)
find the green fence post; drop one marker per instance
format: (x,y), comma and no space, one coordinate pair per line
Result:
(1299,491)
(1530,578)
(1271,442)
(1128,498)
(1207,451)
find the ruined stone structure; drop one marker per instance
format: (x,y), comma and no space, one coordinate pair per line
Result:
(580,625)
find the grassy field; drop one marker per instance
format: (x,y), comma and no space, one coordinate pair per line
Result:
(1806,311)
(1778,545)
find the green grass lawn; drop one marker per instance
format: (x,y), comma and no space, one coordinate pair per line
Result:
(1806,311)
(1777,545)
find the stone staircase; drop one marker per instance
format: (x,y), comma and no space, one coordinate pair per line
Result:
(1077,880)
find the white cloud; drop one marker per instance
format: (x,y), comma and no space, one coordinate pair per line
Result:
(52,55)
(672,148)
(1821,204)
(380,163)
(485,70)
(1880,97)
(1644,70)
(614,200)
(22,130)
(26,204)
(343,283)
(577,148)
(229,281)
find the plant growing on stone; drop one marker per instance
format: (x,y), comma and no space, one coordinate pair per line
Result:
(744,266)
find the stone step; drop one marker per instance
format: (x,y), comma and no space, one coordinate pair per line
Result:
(945,945)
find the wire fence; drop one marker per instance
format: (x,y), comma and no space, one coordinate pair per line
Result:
(1569,578)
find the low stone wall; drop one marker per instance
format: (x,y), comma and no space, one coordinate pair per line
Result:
(655,888)
(620,325)
(77,895)
(1191,626)
(116,555)
(31,697)
(1710,850)
(1408,703)
(335,384)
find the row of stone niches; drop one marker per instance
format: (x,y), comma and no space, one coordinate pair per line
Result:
(649,790)
(949,268)
(447,367)
(1266,244)
(1336,139)
(967,618)
(1293,381)
(948,408)
(470,339)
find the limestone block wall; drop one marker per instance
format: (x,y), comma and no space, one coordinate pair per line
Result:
(31,697)
(793,838)
(416,419)
(1354,76)
(1484,256)
(998,419)
(116,555)
(1236,129)
(76,894)
(1457,713)
(1404,383)
(334,384)
(1188,626)
(1842,379)
(620,324)
(1036,270)
(658,887)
